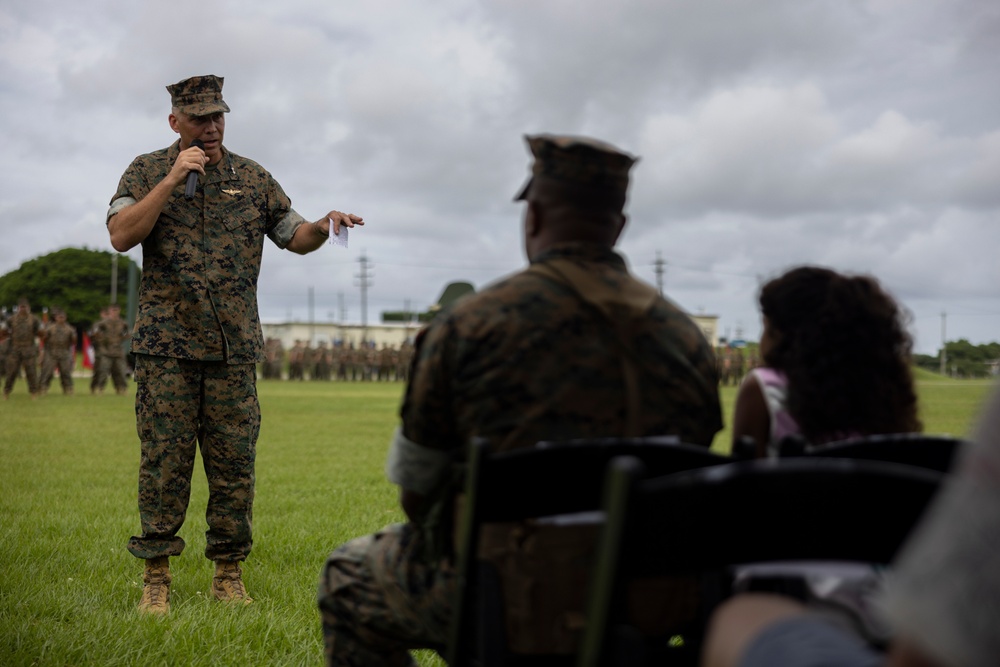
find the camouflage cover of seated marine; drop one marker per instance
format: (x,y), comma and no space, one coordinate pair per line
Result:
(520,362)
(201,262)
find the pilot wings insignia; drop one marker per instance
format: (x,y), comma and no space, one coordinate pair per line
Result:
(233,192)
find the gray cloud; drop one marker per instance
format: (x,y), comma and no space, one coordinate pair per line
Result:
(861,135)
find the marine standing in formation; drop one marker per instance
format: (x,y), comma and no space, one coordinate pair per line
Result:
(22,352)
(109,336)
(197,336)
(59,353)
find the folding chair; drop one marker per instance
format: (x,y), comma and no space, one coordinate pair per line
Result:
(704,522)
(553,478)
(934,452)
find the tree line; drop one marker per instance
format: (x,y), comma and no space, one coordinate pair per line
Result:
(77,280)
(963,359)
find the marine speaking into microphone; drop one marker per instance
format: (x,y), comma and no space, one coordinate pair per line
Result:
(198,324)
(192,181)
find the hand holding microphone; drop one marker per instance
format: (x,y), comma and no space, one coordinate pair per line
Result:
(192,177)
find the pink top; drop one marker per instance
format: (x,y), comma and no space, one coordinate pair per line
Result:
(774,386)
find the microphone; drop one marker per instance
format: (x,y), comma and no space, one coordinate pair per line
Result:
(192,181)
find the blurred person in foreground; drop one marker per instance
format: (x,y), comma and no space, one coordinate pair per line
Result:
(943,596)
(571,347)
(836,363)
(197,336)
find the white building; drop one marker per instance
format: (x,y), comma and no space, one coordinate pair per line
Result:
(394,333)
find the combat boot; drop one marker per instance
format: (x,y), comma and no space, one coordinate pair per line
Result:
(156,587)
(227,585)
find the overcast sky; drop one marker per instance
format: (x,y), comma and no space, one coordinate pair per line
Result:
(863,135)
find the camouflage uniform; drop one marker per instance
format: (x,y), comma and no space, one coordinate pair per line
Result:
(4,347)
(197,340)
(59,353)
(386,361)
(274,359)
(322,363)
(350,361)
(523,361)
(308,359)
(404,361)
(370,362)
(22,350)
(110,334)
(98,348)
(296,361)
(340,357)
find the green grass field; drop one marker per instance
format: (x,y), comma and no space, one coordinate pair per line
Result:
(68,476)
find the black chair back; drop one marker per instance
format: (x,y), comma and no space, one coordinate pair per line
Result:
(934,452)
(703,522)
(553,478)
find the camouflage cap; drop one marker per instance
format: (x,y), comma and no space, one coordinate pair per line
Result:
(577,169)
(198,96)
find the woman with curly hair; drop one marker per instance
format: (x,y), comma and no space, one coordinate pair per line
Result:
(836,363)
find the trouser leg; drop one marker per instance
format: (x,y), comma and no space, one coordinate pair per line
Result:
(102,366)
(48,370)
(230,426)
(10,372)
(21,359)
(65,365)
(377,600)
(166,408)
(118,373)
(31,371)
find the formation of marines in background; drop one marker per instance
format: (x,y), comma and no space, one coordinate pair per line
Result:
(41,349)
(343,362)
(733,363)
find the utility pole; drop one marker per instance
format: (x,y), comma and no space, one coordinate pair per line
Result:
(132,303)
(364,281)
(944,349)
(312,319)
(342,318)
(660,270)
(114,278)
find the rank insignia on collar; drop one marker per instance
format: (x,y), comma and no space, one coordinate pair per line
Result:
(233,192)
